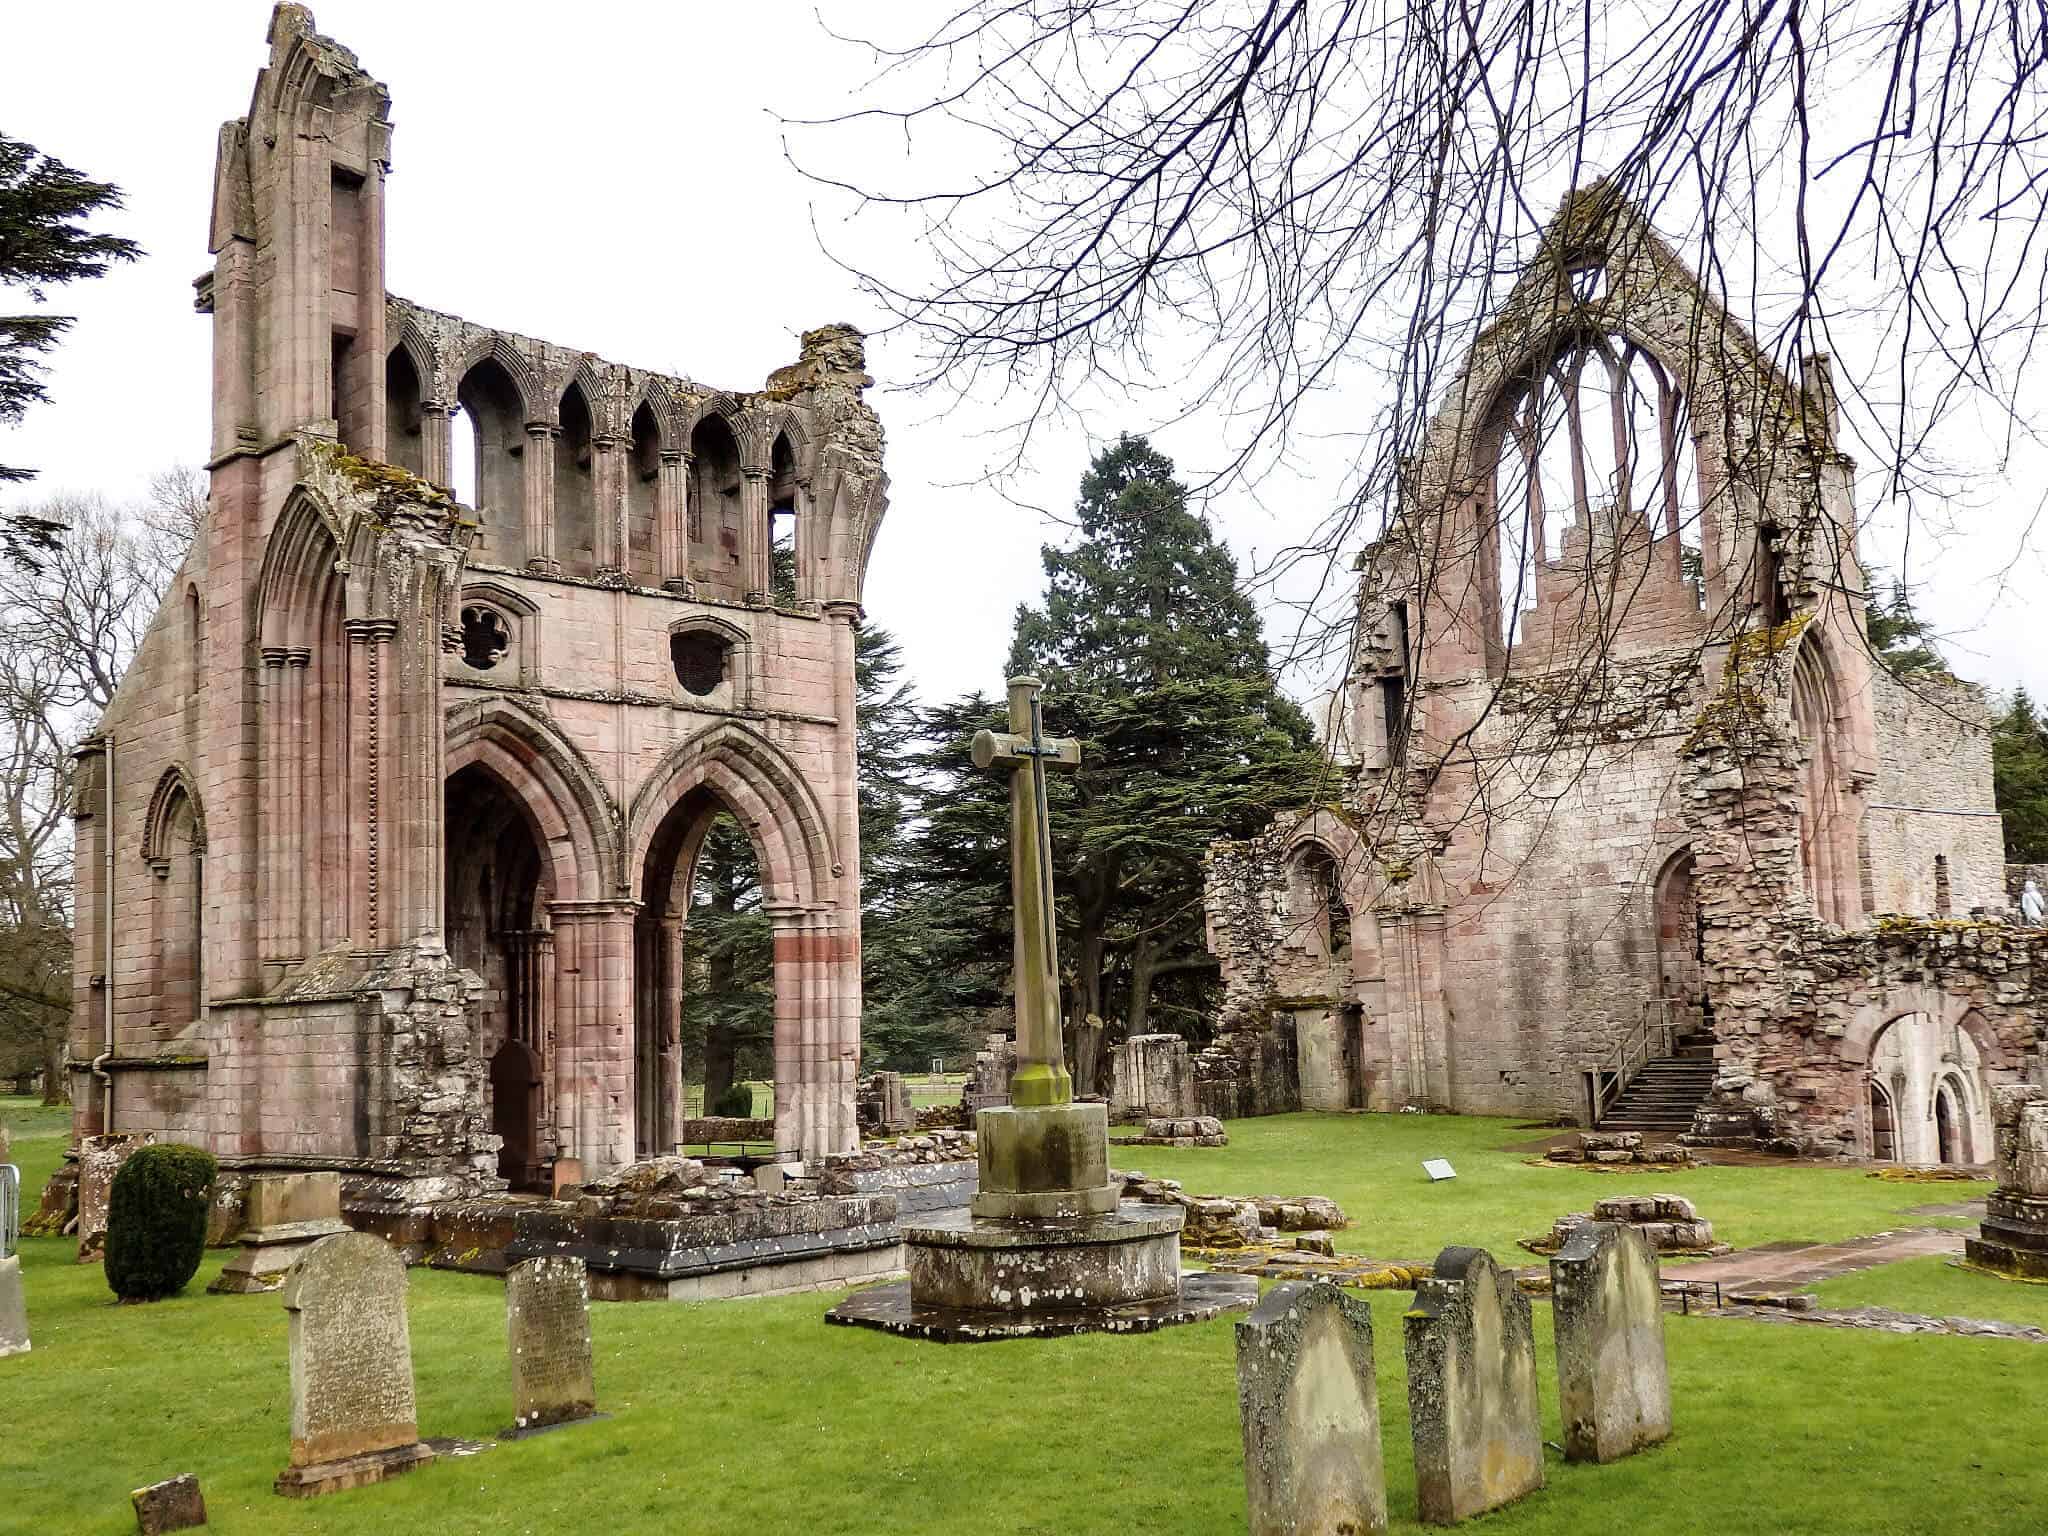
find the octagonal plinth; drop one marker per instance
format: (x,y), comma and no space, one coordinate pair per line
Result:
(1049,1163)
(1130,1255)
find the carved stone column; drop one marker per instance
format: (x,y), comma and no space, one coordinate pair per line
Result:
(594,1029)
(435,415)
(754,535)
(540,496)
(671,520)
(608,536)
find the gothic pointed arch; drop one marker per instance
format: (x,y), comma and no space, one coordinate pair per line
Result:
(738,421)
(174,783)
(1828,829)
(300,571)
(553,782)
(491,346)
(764,791)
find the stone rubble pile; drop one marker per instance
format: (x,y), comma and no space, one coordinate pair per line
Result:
(662,1189)
(1232,1221)
(1667,1222)
(938,1146)
(1194,1131)
(1620,1148)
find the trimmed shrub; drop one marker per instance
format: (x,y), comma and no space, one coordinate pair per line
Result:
(156,1221)
(736,1103)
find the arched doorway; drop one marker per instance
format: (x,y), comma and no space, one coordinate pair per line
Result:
(709,975)
(1681,967)
(498,890)
(1928,1093)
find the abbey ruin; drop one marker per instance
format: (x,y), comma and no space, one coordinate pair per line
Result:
(384,846)
(1625,785)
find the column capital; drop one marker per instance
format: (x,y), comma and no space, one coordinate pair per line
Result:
(299,656)
(364,630)
(540,429)
(844,608)
(756,472)
(574,910)
(273,655)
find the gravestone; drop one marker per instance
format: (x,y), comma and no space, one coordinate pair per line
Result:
(1309,1401)
(99,1159)
(547,1324)
(13,1308)
(175,1504)
(1151,1076)
(1472,1407)
(353,1419)
(1612,1385)
(287,1214)
(2013,1239)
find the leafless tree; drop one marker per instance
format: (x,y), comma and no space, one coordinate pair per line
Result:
(1274,204)
(78,597)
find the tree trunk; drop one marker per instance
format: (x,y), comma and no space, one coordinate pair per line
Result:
(55,1083)
(1144,963)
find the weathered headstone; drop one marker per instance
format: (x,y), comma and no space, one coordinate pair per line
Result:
(1612,1384)
(99,1159)
(287,1214)
(1151,1075)
(1472,1407)
(175,1504)
(547,1325)
(353,1419)
(2013,1239)
(13,1308)
(1309,1400)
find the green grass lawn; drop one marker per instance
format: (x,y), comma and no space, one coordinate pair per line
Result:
(1372,1166)
(1938,1288)
(753,1418)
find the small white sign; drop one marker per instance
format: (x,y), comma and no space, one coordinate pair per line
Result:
(1439,1169)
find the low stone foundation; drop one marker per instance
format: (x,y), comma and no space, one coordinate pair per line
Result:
(1198,1131)
(1621,1149)
(1667,1222)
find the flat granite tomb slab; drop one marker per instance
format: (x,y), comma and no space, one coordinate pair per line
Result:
(1202,1296)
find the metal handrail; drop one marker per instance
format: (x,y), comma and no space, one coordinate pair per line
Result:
(1631,1053)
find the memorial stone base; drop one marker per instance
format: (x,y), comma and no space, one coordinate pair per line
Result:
(1045,1249)
(351,1471)
(2013,1239)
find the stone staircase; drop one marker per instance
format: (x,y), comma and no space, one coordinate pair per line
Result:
(1661,1098)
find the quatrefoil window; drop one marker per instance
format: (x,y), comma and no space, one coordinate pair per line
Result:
(486,637)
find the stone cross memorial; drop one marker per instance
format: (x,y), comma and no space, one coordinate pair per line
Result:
(1612,1386)
(1309,1399)
(353,1419)
(1472,1407)
(547,1326)
(1043,1247)
(1025,752)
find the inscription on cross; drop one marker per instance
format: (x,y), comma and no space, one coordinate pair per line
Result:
(1026,753)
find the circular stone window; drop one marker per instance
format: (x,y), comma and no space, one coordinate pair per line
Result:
(485,638)
(700,660)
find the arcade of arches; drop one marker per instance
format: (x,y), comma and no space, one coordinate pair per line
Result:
(502,922)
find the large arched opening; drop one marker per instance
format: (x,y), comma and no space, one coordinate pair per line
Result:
(1928,1093)
(813,956)
(499,886)
(1681,968)
(1827,833)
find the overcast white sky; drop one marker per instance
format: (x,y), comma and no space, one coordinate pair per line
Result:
(611,176)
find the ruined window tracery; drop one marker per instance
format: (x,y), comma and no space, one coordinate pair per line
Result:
(1826,850)
(486,637)
(1598,440)
(699,657)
